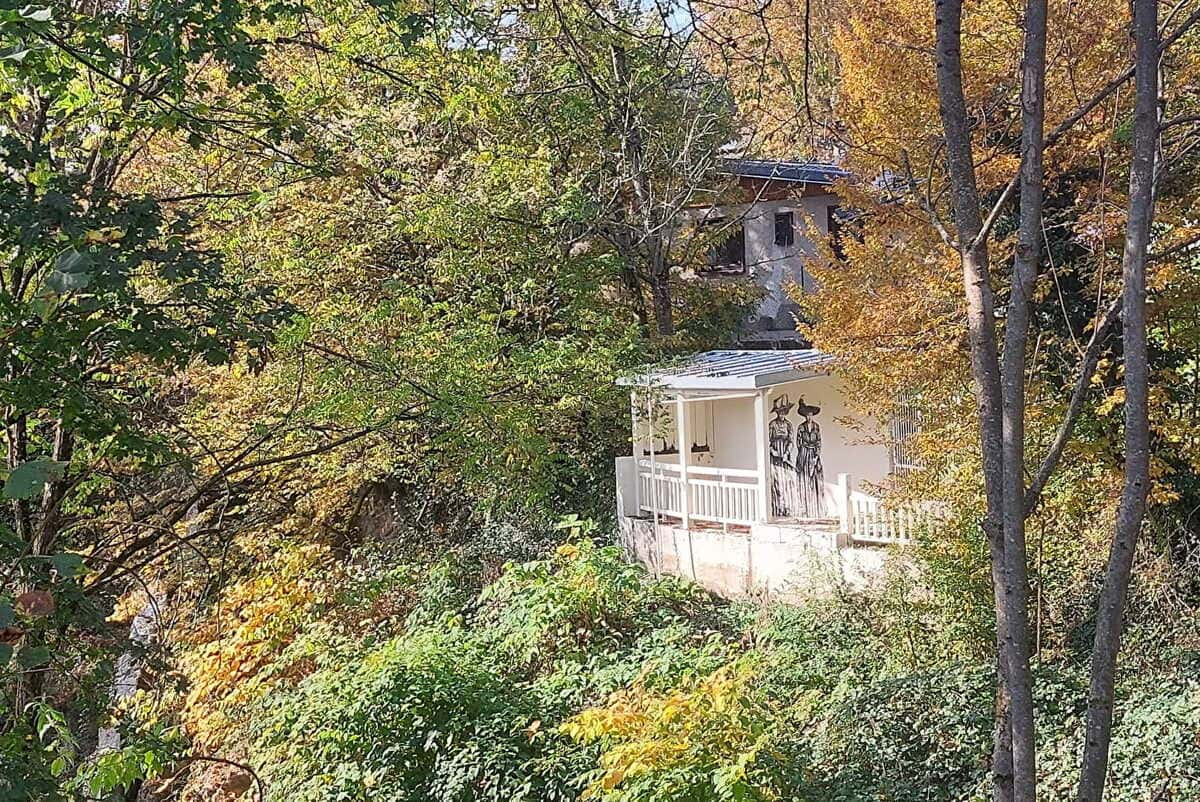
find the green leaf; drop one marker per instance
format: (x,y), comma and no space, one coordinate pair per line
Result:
(36,14)
(6,653)
(33,656)
(70,272)
(28,478)
(68,565)
(6,613)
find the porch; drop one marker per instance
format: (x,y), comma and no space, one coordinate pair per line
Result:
(731,500)
(735,441)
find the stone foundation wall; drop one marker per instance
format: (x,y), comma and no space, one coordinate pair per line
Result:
(770,562)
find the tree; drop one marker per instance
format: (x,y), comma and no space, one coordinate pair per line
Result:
(962,174)
(106,291)
(1111,609)
(657,120)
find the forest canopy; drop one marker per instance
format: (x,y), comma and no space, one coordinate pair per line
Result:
(313,316)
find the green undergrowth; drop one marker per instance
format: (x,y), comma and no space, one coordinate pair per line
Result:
(580,676)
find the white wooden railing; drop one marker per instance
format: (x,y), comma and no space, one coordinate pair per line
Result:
(730,496)
(872,521)
(868,519)
(721,495)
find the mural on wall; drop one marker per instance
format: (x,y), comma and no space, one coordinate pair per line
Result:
(784,488)
(810,473)
(797,474)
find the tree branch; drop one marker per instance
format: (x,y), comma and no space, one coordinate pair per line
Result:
(1087,369)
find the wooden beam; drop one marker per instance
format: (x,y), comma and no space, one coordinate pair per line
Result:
(684,444)
(762,463)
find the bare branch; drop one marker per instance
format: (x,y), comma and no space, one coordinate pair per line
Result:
(1083,379)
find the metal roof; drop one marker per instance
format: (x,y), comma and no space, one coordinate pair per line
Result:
(794,172)
(733,370)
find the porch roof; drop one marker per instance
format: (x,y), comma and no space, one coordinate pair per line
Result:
(733,370)
(791,172)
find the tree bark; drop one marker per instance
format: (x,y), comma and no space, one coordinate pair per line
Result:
(660,289)
(1013,765)
(1132,508)
(634,151)
(1002,767)
(1016,338)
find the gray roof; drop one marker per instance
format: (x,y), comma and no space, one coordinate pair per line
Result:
(733,370)
(792,172)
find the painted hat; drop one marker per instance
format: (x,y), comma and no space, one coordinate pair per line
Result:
(781,405)
(806,409)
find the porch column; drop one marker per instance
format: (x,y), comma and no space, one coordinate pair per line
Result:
(762,463)
(685,452)
(635,437)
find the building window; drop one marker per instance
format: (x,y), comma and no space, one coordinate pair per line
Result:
(785,230)
(727,257)
(903,427)
(836,230)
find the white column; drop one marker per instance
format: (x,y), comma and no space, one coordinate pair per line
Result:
(761,460)
(684,444)
(653,465)
(634,435)
(843,502)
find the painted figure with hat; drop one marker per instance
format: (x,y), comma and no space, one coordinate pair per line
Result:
(810,473)
(783,469)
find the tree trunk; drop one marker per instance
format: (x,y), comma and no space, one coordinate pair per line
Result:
(645,210)
(27,684)
(660,288)
(985,371)
(1132,508)
(1002,767)
(1016,338)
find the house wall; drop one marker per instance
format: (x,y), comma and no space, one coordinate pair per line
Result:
(732,425)
(725,425)
(776,267)
(848,444)
(785,563)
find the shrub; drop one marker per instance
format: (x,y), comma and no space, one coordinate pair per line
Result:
(924,736)
(423,717)
(582,598)
(1155,750)
(701,741)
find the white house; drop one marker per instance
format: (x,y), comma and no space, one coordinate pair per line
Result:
(769,225)
(747,465)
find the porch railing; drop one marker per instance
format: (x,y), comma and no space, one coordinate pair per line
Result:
(868,519)
(872,521)
(730,496)
(720,495)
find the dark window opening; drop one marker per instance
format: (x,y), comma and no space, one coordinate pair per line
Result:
(727,257)
(903,428)
(836,229)
(785,230)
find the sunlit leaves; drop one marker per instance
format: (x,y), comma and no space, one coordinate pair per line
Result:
(29,478)
(700,740)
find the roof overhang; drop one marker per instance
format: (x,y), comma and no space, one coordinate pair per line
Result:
(733,370)
(791,172)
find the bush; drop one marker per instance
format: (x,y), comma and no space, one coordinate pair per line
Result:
(924,736)
(582,598)
(1155,750)
(704,740)
(579,675)
(423,717)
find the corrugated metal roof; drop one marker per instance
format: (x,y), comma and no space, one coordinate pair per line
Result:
(795,172)
(716,370)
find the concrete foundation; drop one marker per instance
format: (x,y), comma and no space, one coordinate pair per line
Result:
(786,561)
